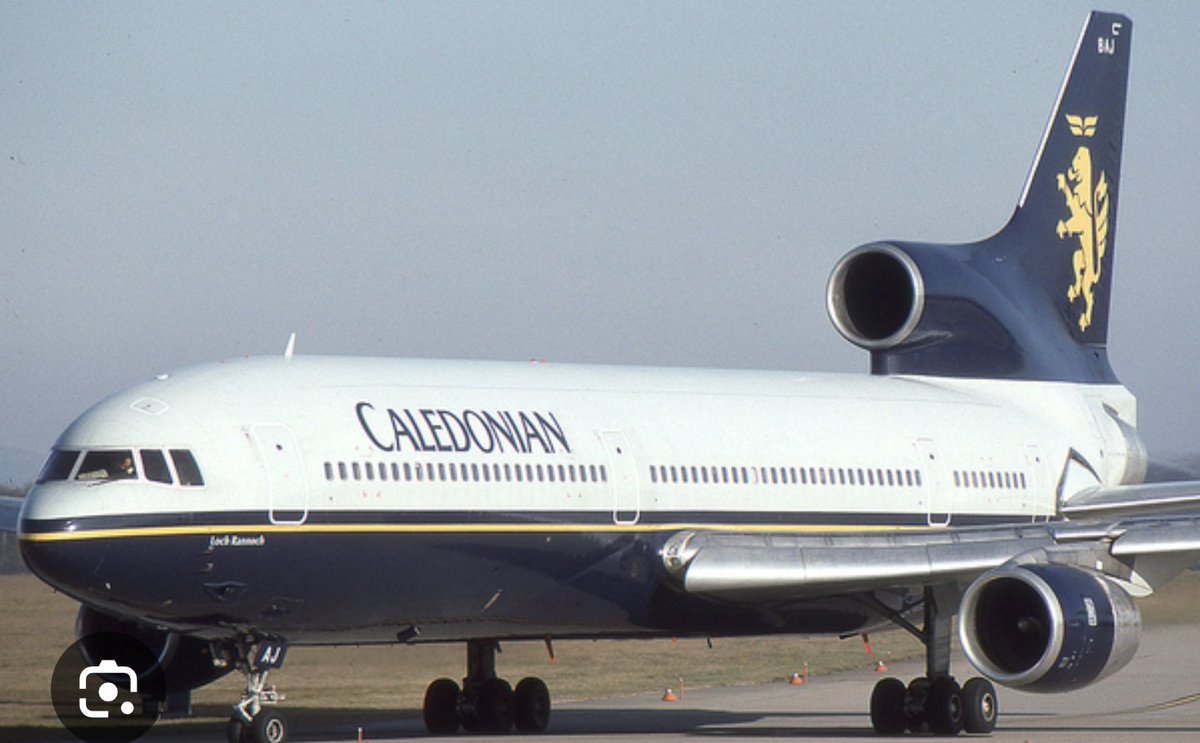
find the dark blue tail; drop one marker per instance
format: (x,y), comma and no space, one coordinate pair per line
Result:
(1064,227)
(1032,301)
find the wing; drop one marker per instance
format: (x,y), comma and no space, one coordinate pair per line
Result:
(1129,500)
(1140,553)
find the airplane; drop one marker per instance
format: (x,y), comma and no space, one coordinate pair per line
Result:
(988,467)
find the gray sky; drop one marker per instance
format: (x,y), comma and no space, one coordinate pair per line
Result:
(584,182)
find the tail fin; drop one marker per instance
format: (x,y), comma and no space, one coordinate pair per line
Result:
(1030,302)
(1064,227)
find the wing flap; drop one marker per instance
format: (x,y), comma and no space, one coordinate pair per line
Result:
(1175,536)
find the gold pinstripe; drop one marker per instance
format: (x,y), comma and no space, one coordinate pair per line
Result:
(449,528)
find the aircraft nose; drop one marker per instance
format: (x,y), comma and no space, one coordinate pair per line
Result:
(44,544)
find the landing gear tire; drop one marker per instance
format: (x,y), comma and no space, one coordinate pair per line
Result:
(887,707)
(944,707)
(495,707)
(441,707)
(236,731)
(914,704)
(980,706)
(532,705)
(268,727)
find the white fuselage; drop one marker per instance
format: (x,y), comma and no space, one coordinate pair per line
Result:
(301,436)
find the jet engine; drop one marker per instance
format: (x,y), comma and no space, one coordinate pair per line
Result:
(1048,628)
(921,307)
(876,296)
(186,661)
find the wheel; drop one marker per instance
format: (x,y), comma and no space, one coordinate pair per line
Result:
(236,731)
(914,704)
(495,707)
(532,705)
(887,707)
(980,706)
(944,707)
(441,707)
(268,727)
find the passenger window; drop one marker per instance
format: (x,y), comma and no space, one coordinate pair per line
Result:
(58,466)
(104,466)
(186,468)
(154,464)
(329,470)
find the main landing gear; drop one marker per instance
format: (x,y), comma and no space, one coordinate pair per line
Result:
(254,718)
(934,702)
(485,703)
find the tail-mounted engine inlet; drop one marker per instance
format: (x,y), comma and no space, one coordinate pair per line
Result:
(876,296)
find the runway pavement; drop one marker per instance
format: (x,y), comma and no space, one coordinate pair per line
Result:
(1156,698)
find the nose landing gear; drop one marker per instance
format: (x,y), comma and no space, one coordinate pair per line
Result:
(254,718)
(486,703)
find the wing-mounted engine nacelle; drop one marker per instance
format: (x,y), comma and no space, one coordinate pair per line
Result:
(186,662)
(1048,628)
(923,308)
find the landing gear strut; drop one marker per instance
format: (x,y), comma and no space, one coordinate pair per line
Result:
(254,718)
(485,703)
(934,702)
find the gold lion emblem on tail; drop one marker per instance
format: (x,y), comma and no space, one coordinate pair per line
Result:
(1088,220)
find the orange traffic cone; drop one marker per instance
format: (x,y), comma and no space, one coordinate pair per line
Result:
(796,680)
(881,667)
(669,696)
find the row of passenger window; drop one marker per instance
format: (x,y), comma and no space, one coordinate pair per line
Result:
(464,472)
(705,475)
(107,465)
(988,479)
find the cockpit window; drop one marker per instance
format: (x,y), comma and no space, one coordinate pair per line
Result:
(154,466)
(104,466)
(186,467)
(58,466)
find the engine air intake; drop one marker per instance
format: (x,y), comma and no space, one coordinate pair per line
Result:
(876,296)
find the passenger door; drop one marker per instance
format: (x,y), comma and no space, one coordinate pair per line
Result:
(622,480)
(287,487)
